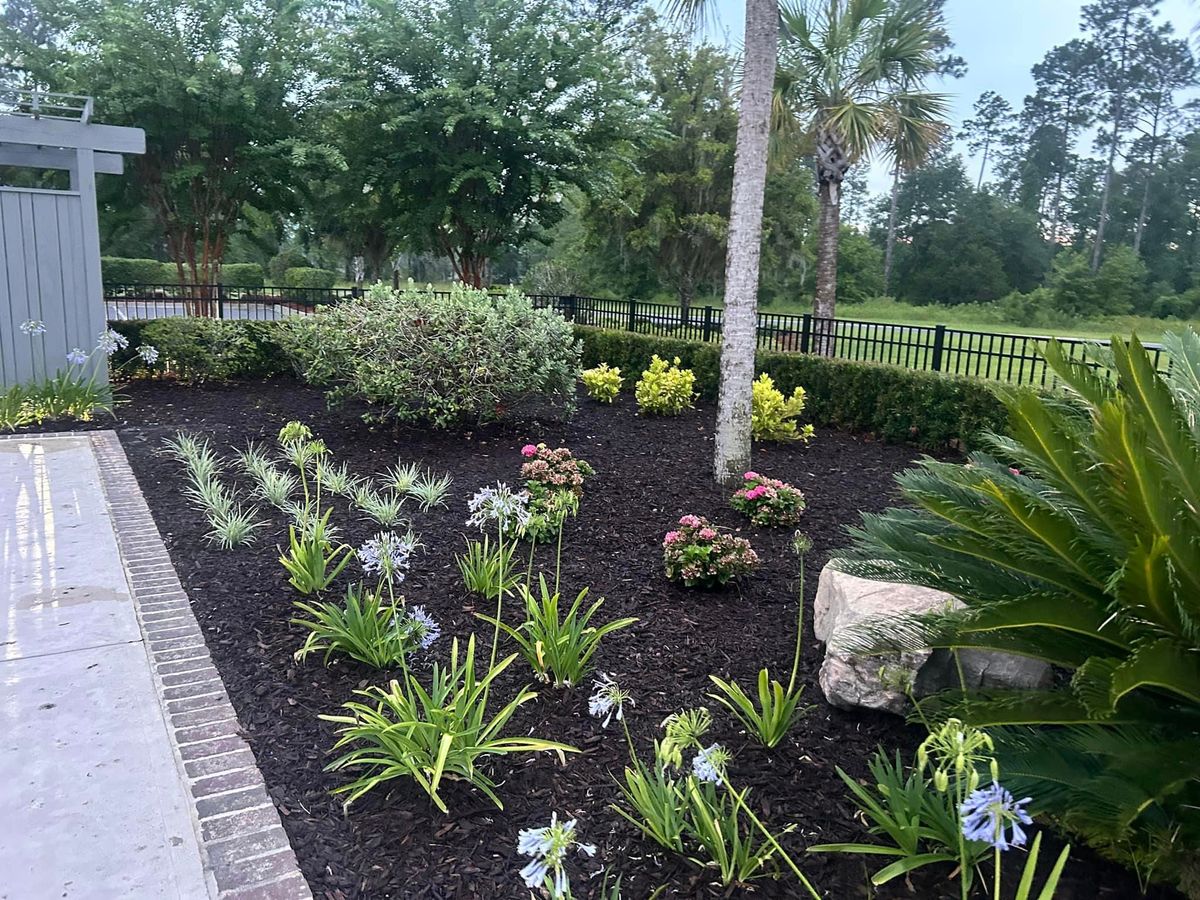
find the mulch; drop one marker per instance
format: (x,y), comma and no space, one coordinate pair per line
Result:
(394,843)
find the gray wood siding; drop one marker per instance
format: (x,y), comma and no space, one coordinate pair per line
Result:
(47,276)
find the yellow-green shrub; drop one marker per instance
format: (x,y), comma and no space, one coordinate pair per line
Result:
(603,383)
(773,416)
(665,390)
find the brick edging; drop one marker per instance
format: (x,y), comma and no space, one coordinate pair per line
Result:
(245,849)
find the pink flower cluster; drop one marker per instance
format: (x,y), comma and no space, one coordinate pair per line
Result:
(557,470)
(699,555)
(768,501)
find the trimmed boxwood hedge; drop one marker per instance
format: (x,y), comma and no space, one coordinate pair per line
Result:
(304,277)
(923,408)
(121,270)
(894,404)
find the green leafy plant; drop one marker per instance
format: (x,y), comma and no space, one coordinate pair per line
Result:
(773,416)
(558,644)
(385,509)
(402,476)
(339,480)
(665,389)
(1073,543)
(276,486)
(234,527)
(554,481)
(429,491)
(255,461)
(778,707)
(602,382)
(483,566)
(312,563)
(430,735)
(698,555)
(768,501)
(212,496)
(364,627)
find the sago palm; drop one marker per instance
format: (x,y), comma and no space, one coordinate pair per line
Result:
(1076,540)
(850,75)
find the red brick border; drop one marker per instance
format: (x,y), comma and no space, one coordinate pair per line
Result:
(246,851)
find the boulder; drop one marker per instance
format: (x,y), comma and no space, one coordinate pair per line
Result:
(883,681)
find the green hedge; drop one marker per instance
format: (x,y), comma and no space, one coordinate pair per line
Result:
(210,349)
(120,270)
(895,404)
(303,277)
(243,275)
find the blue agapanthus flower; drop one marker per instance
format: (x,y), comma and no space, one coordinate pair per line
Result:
(549,846)
(989,812)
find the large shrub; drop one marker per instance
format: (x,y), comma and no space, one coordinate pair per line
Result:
(924,408)
(1075,541)
(287,258)
(119,270)
(243,275)
(202,349)
(446,360)
(304,277)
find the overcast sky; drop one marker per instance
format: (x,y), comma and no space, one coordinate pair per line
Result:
(1000,40)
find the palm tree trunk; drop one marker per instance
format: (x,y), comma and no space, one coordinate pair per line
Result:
(731,455)
(829,226)
(890,250)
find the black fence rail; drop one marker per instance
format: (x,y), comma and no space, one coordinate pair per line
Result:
(999,356)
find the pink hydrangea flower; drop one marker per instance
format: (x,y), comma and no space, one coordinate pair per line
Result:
(689,520)
(751,476)
(707,534)
(672,537)
(529,450)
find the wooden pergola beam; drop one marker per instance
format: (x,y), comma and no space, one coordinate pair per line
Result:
(57,158)
(71,135)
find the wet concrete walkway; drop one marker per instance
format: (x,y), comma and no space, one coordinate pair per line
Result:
(91,801)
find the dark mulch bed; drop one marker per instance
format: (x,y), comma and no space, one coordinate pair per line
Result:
(650,471)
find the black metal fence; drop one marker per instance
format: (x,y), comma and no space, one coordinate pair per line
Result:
(1014,358)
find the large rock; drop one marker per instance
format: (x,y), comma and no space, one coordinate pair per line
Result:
(883,681)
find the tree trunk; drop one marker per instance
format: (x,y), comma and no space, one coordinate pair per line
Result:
(687,292)
(983,164)
(731,456)
(1098,247)
(890,250)
(828,231)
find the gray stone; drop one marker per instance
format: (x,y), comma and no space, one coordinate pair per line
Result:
(883,681)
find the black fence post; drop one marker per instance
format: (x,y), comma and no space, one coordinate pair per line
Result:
(568,307)
(805,332)
(632,315)
(708,317)
(939,344)
(220,300)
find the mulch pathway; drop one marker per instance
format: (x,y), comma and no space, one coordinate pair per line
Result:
(394,843)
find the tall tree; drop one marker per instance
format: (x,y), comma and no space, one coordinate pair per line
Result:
(1117,31)
(987,129)
(851,71)
(218,86)
(731,452)
(476,116)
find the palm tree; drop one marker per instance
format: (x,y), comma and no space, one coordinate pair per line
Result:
(849,75)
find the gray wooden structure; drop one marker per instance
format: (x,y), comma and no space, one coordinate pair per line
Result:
(50,239)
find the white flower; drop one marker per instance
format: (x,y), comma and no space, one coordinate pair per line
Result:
(563,34)
(236,69)
(557,197)
(551,84)
(148,353)
(500,504)
(367,188)
(77,357)
(388,555)
(548,846)
(608,701)
(109,342)
(709,764)
(417,623)
(33,326)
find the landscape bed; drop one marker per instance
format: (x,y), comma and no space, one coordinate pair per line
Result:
(394,842)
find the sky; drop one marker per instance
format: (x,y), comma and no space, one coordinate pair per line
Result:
(999,39)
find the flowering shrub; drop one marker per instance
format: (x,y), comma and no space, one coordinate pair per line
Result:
(448,361)
(665,390)
(700,556)
(772,416)
(602,383)
(554,483)
(768,501)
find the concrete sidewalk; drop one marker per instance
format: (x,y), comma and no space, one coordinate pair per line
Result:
(95,800)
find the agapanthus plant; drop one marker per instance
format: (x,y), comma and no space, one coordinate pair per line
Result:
(548,847)
(768,501)
(699,555)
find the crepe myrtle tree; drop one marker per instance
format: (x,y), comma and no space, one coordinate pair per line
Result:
(217,85)
(477,116)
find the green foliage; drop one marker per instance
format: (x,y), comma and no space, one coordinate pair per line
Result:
(429,735)
(65,396)
(305,277)
(234,526)
(429,491)
(773,416)
(202,349)
(1074,543)
(384,509)
(118,270)
(311,561)
(364,627)
(287,258)
(768,501)
(487,570)
(602,383)
(447,361)
(665,389)
(698,555)
(1114,290)
(243,275)
(923,408)
(559,645)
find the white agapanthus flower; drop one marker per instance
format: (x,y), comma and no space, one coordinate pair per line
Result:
(33,327)
(148,353)
(500,504)
(77,357)
(549,847)
(109,342)
(608,700)
(387,555)
(709,764)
